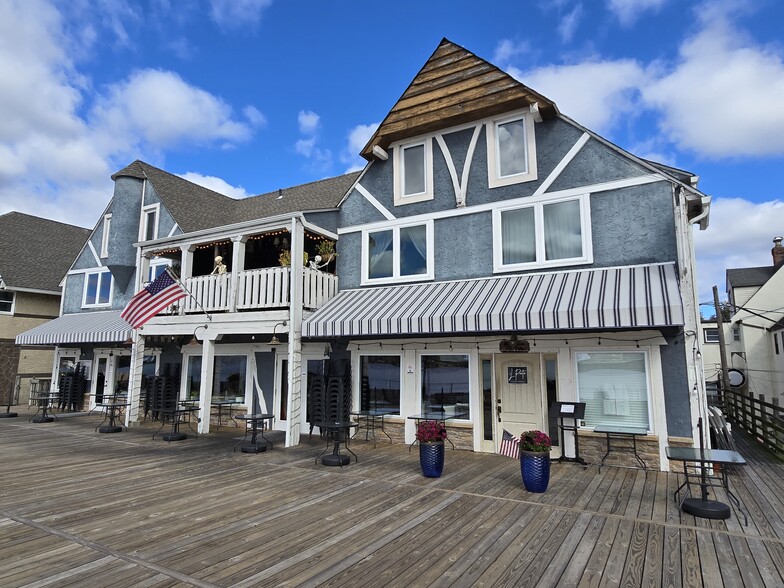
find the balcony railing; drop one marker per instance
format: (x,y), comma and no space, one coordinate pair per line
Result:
(258,289)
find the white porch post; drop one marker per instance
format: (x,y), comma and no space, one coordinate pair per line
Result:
(205,390)
(237,265)
(295,333)
(135,378)
(186,267)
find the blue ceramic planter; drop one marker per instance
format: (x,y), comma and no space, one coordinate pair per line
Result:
(431,458)
(535,468)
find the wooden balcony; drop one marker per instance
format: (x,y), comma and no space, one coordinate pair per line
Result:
(257,289)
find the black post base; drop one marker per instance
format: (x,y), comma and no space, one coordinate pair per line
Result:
(8,415)
(706,509)
(253,448)
(114,429)
(41,419)
(174,436)
(335,460)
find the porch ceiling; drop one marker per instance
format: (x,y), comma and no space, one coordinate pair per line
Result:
(85,327)
(612,298)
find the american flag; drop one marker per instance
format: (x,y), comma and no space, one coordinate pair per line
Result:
(510,445)
(152,299)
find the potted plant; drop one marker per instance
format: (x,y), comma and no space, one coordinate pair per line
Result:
(326,249)
(285,258)
(535,460)
(431,435)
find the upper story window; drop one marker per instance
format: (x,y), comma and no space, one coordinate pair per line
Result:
(107,225)
(711,335)
(542,234)
(6,302)
(157,267)
(149,224)
(399,252)
(413,172)
(97,289)
(775,341)
(736,333)
(511,150)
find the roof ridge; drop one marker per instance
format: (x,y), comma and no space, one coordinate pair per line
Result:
(301,185)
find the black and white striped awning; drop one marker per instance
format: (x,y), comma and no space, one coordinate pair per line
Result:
(611,298)
(85,327)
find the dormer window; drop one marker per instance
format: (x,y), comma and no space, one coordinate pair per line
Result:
(149,224)
(413,172)
(107,225)
(511,150)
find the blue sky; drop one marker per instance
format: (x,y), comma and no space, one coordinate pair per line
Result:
(247,96)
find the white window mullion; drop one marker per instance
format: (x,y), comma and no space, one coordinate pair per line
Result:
(539,229)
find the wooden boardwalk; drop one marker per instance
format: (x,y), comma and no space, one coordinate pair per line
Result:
(78,508)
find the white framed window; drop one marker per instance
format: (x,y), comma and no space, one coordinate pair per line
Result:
(413,171)
(615,388)
(107,225)
(736,333)
(7,302)
(402,252)
(542,234)
(157,267)
(711,335)
(148,228)
(511,150)
(97,288)
(445,384)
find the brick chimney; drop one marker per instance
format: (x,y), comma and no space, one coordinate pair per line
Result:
(777,251)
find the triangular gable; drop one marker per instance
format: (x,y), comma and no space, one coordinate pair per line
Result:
(453,87)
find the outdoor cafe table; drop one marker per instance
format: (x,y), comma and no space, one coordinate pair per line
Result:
(258,424)
(177,415)
(373,418)
(438,416)
(111,410)
(43,401)
(694,461)
(220,404)
(336,431)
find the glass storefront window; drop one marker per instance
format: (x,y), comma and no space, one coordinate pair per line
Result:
(445,384)
(380,382)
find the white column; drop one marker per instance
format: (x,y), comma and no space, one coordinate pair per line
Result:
(295,333)
(135,378)
(205,390)
(237,265)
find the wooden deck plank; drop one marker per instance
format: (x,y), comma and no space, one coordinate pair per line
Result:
(159,514)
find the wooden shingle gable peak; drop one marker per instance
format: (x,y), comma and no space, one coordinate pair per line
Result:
(454,87)
(36,253)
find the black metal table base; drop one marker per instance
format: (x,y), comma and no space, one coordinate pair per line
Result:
(8,415)
(253,448)
(110,429)
(174,436)
(706,509)
(42,419)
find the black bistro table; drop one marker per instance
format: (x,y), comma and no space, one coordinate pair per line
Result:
(438,416)
(627,436)
(696,465)
(177,415)
(44,401)
(223,403)
(373,418)
(111,412)
(256,424)
(336,432)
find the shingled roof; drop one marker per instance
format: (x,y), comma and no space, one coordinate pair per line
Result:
(750,276)
(35,253)
(195,207)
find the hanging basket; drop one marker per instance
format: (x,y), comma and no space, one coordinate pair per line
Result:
(535,468)
(431,458)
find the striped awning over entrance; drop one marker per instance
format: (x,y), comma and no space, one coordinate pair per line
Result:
(624,297)
(86,327)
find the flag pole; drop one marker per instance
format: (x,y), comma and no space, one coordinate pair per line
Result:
(174,277)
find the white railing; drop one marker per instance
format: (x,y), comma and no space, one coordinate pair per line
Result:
(258,289)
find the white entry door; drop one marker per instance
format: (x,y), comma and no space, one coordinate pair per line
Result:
(519,400)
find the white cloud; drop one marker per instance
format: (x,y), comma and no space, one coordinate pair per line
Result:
(308,122)
(740,235)
(216,184)
(724,97)
(569,23)
(160,109)
(507,50)
(596,94)
(237,13)
(628,11)
(357,138)
(305,146)
(254,116)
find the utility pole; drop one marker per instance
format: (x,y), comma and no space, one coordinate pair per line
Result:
(725,377)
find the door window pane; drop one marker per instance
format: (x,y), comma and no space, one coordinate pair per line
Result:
(563,237)
(512,156)
(614,388)
(194,377)
(380,382)
(445,384)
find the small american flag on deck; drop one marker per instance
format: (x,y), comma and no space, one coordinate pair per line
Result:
(510,445)
(152,299)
